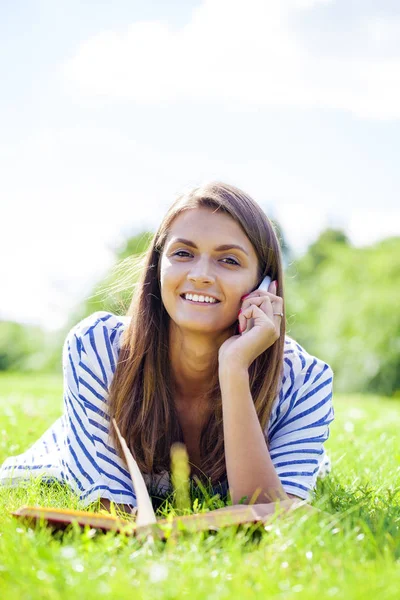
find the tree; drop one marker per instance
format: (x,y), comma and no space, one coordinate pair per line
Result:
(344,309)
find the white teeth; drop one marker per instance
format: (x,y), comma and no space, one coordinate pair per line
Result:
(197,298)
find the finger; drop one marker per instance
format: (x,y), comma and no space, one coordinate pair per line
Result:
(251,311)
(247,315)
(260,301)
(249,323)
(250,314)
(242,322)
(262,294)
(259,294)
(256,300)
(272,289)
(261,309)
(268,303)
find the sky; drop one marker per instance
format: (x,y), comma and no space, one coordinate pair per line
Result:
(110,109)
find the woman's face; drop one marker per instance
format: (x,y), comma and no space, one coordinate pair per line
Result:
(194,261)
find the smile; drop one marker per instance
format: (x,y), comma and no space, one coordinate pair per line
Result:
(200,302)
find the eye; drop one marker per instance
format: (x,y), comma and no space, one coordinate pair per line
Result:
(186,254)
(234,261)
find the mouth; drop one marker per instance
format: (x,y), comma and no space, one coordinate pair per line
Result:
(196,303)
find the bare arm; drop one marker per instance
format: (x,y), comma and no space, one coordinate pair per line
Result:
(119,508)
(248,462)
(268,510)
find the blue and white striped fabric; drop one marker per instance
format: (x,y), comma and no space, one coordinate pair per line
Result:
(76,449)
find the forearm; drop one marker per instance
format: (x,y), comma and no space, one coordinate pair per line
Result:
(248,462)
(274,509)
(123,508)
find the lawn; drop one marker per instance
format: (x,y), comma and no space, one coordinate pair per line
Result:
(351,552)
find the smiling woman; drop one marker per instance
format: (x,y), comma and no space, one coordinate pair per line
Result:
(201,358)
(197,268)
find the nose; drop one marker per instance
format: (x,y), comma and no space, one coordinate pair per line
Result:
(201,273)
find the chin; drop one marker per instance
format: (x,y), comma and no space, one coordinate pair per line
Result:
(204,328)
(197,327)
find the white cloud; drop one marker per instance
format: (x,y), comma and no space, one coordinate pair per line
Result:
(236,54)
(383,32)
(70,193)
(301,222)
(49,277)
(369,226)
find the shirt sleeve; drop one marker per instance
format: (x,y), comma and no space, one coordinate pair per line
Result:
(91,465)
(300,423)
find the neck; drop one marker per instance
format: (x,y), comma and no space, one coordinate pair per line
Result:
(194,361)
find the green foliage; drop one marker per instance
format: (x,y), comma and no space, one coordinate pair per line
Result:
(342,305)
(27,348)
(351,550)
(287,255)
(21,347)
(114,293)
(327,243)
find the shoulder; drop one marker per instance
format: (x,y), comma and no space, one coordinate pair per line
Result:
(97,326)
(94,342)
(300,367)
(100,321)
(306,383)
(300,419)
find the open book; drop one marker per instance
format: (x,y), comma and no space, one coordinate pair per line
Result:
(146,522)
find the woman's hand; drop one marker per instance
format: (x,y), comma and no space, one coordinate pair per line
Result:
(257,307)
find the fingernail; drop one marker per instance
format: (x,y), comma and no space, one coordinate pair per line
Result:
(245,296)
(239,312)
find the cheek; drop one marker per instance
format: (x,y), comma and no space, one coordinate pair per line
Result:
(166,273)
(170,279)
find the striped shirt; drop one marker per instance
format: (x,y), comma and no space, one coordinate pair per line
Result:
(76,449)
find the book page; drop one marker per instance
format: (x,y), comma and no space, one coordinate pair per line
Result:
(145,512)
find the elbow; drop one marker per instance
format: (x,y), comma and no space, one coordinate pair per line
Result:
(260,496)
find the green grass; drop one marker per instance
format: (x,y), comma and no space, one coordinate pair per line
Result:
(351,552)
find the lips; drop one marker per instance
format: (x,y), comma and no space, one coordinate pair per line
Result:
(200,303)
(199,294)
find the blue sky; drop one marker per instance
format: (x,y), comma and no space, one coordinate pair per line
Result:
(110,109)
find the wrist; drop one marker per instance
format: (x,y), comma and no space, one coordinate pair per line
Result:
(233,370)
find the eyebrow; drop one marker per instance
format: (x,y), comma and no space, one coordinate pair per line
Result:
(218,248)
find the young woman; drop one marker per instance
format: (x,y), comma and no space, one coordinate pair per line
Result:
(202,357)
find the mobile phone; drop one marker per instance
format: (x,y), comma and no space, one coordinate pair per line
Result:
(264,285)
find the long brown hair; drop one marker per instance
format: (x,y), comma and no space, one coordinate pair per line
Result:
(141,395)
